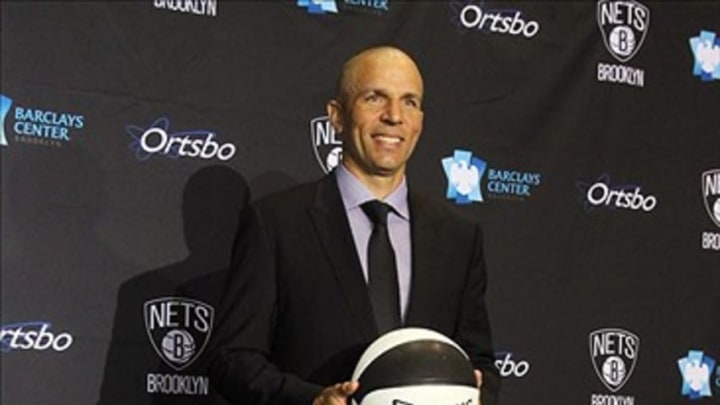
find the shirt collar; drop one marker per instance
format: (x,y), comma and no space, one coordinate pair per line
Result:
(354,193)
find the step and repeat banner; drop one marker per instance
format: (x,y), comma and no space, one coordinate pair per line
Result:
(584,135)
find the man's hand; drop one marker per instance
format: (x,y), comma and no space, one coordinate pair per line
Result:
(478,379)
(336,394)
(339,393)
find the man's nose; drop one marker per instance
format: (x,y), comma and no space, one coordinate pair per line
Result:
(392,113)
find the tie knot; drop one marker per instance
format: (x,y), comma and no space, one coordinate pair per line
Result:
(377,211)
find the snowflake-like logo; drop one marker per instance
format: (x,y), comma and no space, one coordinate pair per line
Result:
(706,50)
(696,368)
(463,173)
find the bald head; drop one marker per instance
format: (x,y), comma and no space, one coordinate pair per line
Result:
(369,59)
(377,112)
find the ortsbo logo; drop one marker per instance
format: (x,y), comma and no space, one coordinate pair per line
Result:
(604,193)
(178,328)
(623,24)
(509,367)
(614,352)
(500,21)
(33,335)
(157,139)
(711,194)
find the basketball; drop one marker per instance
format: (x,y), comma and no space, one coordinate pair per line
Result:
(415,366)
(334,158)
(622,40)
(614,370)
(178,346)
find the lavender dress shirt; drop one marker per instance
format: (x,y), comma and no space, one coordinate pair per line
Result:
(354,194)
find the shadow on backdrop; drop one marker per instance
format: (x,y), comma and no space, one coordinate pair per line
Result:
(270,182)
(164,316)
(57,268)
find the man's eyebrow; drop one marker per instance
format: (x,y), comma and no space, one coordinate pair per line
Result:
(373,90)
(412,96)
(382,92)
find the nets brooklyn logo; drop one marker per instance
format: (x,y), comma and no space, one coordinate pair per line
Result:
(614,353)
(178,328)
(623,25)
(711,199)
(327,147)
(711,194)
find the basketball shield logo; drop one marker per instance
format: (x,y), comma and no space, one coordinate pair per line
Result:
(711,194)
(178,328)
(614,353)
(624,24)
(328,150)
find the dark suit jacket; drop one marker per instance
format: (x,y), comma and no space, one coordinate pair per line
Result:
(296,315)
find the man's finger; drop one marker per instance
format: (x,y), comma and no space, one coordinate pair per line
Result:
(336,394)
(478,378)
(348,388)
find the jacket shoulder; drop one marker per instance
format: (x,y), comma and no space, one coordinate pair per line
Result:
(442,210)
(304,192)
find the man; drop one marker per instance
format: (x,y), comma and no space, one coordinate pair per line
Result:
(300,307)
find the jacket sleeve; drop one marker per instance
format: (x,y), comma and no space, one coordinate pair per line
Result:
(241,366)
(473,332)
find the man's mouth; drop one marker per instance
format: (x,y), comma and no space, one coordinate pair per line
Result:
(392,139)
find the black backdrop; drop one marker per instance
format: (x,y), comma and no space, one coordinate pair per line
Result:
(590,109)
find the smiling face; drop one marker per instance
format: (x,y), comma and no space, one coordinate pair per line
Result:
(378,112)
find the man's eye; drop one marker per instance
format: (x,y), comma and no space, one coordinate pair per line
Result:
(411,102)
(372,98)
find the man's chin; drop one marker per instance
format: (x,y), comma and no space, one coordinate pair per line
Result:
(388,171)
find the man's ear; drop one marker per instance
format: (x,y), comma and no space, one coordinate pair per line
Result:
(335,114)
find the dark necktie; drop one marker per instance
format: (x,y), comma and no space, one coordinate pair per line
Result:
(382,273)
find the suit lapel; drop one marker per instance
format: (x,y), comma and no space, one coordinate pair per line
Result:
(426,261)
(333,229)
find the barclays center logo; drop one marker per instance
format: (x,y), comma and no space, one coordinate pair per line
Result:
(318,6)
(157,139)
(696,370)
(5,104)
(706,51)
(38,126)
(465,173)
(337,6)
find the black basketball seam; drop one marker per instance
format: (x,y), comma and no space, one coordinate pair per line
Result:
(445,365)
